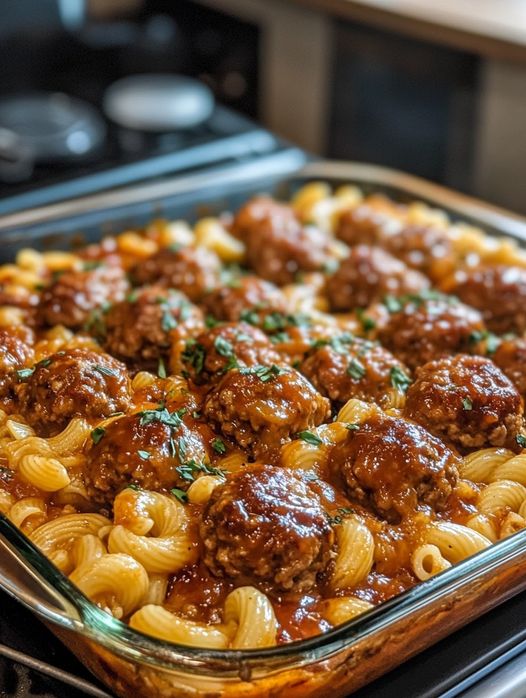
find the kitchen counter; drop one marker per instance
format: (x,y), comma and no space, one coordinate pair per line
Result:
(486,27)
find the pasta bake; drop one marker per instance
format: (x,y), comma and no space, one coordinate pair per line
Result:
(247,431)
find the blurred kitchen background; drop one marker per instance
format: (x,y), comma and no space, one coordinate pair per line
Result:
(435,89)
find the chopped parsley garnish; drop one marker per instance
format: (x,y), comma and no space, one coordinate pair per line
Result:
(264,373)
(194,354)
(467,405)
(223,347)
(182,448)
(392,304)
(179,494)
(161,369)
(196,414)
(492,341)
(352,427)
(161,414)
(168,322)
(134,487)
(44,363)
(521,440)
(191,468)
(250,316)
(355,369)
(366,322)
(24,373)
(279,337)
(211,322)
(145,455)
(340,516)
(132,296)
(399,379)
(309,438)
(97,434)
(219,446)
(106,371)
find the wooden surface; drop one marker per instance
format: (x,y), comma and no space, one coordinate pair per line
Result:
(493,28)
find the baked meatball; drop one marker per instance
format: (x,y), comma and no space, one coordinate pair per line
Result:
(394,467)
(467,400)
(206,358)
(264,526)
(368,274)
(370,223)
(277,249)
(16,353)
(74,295)
(260,407)
(74,382)
(256,210)
(141,328)
(423,247)
(499,292)
(422,329)
(510,357)
(192,270)
(348,367)
(143,449)
(246,298)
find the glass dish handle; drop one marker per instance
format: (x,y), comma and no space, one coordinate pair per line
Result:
(23,581)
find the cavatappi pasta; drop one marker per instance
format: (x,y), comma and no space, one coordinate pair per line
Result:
(247,431)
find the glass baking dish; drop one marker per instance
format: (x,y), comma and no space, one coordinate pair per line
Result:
(341,660)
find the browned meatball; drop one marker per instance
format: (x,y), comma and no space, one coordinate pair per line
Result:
(510,357)
(258,209)
(467,400)
(368,274)
(423,247)
(499,292)
(16,353)
(370,223)
(207,357)
(74,382)
(277,249)
(394,466)
(141,328)
(248,298)
(348,367)
(420,330)
(75,294)
(192,270)
(145,449)
(264,526)
(260,407)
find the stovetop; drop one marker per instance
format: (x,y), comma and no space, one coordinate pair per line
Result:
(445,670)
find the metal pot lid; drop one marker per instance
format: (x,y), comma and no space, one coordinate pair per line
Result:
(157,103)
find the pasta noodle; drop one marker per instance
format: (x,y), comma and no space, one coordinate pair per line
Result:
(355,553)
(427,560)
(157,621)
(341,609)
(456,542)
(252,614)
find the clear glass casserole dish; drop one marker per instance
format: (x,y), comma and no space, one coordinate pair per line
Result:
(337,662)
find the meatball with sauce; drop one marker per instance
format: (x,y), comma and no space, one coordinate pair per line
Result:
(394,467)
(192,270)
(207,357)
(76,382)
(423,247)
(277,249)
(510,357)
(143,449)
(246,297)
(422,329)
(71,299)
(140,329)
(348,367)
(370,223)
(261,407)
(16,353)
(258,209)
(466,400)
(368,274)
(264,526)
(499,292)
